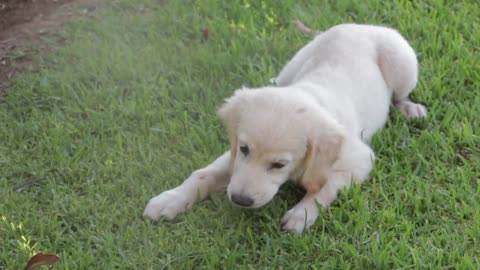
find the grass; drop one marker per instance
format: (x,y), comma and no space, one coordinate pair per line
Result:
(127,107)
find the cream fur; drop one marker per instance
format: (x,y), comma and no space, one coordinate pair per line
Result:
(330,99)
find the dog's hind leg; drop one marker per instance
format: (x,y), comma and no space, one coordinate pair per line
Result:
(399,67)
(202,182)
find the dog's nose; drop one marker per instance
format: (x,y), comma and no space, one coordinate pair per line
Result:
(242,200)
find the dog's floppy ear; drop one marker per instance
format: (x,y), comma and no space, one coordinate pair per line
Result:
(323,149)
(230,114)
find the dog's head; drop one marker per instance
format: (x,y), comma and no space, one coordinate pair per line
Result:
(276,135)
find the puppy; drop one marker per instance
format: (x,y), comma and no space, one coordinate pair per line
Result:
(313,128)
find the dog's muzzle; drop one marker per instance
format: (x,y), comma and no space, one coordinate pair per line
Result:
(241,200)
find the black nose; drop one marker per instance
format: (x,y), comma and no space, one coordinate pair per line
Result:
(242,200)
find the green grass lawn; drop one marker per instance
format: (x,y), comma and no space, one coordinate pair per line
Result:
(127,109)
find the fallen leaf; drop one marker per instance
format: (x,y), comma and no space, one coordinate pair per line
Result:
(29,182)
(10,74)
(40,259)
(463,153)
(302,27)
(205,33)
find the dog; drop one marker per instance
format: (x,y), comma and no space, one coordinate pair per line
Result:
(314,127)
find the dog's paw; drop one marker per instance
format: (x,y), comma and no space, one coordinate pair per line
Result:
(274,81)
(300,217)
(411,110)
(167,205)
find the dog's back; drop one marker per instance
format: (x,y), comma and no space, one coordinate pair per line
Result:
(363,63)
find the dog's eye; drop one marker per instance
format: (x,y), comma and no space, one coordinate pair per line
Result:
(277,165)
(244,149)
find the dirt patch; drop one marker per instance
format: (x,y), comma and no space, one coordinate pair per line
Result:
(15,12)
(24,25)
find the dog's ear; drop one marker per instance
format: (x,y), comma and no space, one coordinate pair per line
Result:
(230,115)
(323,149)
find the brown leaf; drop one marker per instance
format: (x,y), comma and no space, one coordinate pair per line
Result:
(205,33)
(40,259)
(302,27)
(29,182)
(464,153)
(11,73)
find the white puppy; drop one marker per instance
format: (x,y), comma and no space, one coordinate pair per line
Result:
(313,127)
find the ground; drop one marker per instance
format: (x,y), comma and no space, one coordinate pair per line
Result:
(24,24)
(124,106)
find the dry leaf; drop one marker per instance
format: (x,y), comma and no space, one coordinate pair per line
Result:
(302,27)
(41,259)
(463,153)
(205,33)
(29,182)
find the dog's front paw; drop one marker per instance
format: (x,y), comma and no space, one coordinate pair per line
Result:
(274,81)
(300,217)
(167,205)
(412,110)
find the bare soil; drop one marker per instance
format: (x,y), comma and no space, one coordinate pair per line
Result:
(24,24)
